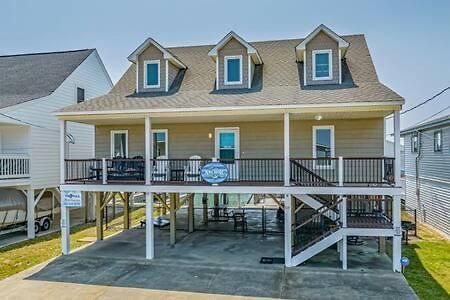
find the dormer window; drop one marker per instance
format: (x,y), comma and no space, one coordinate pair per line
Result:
(233,69)
(152,74)
(322,65)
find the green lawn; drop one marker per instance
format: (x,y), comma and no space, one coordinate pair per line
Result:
(429,270)
(24,255)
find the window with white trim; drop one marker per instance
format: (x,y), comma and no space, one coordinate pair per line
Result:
(438,141)
(322,64)
(323,145)
(160,143)
(233,69)
(152,74)
(80,95)
(119,143)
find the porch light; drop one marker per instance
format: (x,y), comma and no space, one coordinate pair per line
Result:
(210,135)
(318,117)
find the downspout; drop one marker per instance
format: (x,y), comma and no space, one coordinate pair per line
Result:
(418,157)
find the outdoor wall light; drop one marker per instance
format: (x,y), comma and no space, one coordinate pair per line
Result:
(210,135)
(318,117)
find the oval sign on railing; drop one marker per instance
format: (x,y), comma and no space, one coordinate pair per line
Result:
(214,172)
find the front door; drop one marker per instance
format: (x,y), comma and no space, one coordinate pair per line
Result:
(227,149)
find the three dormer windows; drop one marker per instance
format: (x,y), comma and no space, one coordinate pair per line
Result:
(233,69)
(322,64)
(152,74)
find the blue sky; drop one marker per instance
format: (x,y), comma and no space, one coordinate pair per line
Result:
(409,40)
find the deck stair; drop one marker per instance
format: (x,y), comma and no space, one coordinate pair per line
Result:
(314,231)
(320,203)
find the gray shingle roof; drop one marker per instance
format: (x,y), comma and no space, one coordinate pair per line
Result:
(25,77)
(437,122)
(281,82)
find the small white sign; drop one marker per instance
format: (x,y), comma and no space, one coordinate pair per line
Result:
(72,199)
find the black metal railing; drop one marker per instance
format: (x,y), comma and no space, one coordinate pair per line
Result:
(368,170)
(314,172)
(125,170)
(81,170)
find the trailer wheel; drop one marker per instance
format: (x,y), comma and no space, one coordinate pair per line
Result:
(37,227)
(45,224)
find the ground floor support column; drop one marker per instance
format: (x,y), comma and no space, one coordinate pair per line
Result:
(30,214)
(65,228)
(99,215)
(173,219)
(191,213)
(126,211)
(287,230)
(397,238)
(344,252)
(149,228)
(382,244)
(205,208)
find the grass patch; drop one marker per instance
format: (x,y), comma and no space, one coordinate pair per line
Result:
(26,254)
(429,270)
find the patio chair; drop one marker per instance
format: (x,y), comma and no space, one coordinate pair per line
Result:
(161,169)
(192,170)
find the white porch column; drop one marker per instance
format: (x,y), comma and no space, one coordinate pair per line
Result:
(344,237)
(287,230)
(397,238)
(65,212)
(149,230)
(397,146)
(62,151)
(148,150)
(30,213)
(65,228)
(286,150)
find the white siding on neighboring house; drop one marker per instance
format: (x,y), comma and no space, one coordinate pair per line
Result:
(44,141)
(433,203)
(14,139)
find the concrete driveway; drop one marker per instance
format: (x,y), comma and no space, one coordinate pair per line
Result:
(201,265)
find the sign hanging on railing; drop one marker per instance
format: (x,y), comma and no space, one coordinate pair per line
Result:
(214,172)
(72,199)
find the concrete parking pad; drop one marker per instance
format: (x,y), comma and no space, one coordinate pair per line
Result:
(204,265)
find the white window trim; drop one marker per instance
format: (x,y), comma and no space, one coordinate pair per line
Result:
(314,152)
(225,65)
(113,132)
(237,140)
(147,62)
(330,64)
(166,131)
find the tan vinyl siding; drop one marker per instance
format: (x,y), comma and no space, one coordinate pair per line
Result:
(360,138)
(152,53)
(173,71)
(233,47)
(322,42)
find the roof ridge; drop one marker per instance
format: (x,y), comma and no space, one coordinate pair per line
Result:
(45,53)
(259,41)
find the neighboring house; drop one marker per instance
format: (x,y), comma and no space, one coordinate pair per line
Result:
(32,87)
(427,171)
(303,118)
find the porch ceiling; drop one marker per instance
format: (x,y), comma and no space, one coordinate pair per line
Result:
(235,116)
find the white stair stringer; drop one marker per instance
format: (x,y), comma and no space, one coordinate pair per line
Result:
(317,247)
(314,204)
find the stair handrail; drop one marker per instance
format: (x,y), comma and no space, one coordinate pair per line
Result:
(325,234)
(313,174)
(318,214)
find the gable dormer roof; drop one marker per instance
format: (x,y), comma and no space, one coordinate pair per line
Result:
(250,49)
(166,53)
(342,44)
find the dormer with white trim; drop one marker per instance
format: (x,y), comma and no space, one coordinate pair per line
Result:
(322,52)
(156,67)
(235,62)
